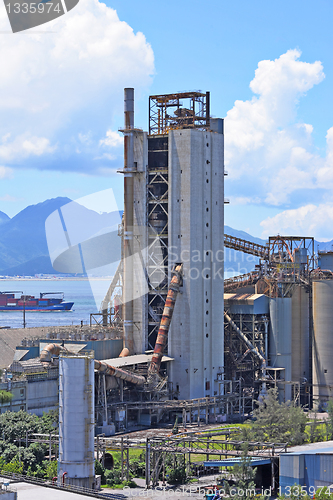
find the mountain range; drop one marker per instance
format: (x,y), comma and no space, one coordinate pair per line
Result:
(24,251)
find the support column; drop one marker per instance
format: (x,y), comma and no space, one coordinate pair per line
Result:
(128,218)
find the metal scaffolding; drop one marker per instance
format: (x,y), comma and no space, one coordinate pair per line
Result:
(157,197)
(181,110)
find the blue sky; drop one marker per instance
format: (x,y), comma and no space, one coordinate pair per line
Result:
(62,93)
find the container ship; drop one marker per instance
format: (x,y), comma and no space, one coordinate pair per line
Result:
(48,301)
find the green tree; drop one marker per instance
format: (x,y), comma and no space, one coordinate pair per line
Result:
(14,428)
(49,422)
(278,422)
(5,397)
(329,423)
(242,475)
(50,469)
(12,466)
(100,471)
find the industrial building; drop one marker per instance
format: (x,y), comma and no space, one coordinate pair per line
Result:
(177,339)
(166,300)
(291,329)
(310,466)
(173,213)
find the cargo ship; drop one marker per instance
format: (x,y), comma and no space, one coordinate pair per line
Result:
(48,301)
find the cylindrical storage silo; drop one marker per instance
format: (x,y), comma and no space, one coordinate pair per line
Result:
(322,347)
(280,310)
(300,335)
(76,420)
(325,260)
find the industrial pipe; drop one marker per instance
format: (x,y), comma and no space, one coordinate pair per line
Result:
(124,353)
(55,349)
(49,351)
(119,373)
(162,335)
(244,338)
(128,217)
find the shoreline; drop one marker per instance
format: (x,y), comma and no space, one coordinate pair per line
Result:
(33,278)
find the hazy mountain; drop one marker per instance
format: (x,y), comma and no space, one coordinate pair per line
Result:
(23,245)
(22,238)
(239,262)
(24,251)
(3,217)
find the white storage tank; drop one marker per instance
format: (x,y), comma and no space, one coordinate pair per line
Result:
(280,339)
(289,337)
(76,420)
(322,350)
(300,336)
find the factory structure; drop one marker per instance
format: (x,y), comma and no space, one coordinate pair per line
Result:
(177,340)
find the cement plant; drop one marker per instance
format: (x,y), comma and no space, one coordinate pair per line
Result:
(175,340)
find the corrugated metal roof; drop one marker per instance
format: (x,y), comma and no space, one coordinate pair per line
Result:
(75,347)
(235,461)
(248,297)
(20,353)
(311,448)
(137,359)
(246,303)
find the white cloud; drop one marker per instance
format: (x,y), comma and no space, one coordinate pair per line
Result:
(10,198)
(23,147)
(309,220)
(64,87)
(268,153)
(112,139)
(6,172)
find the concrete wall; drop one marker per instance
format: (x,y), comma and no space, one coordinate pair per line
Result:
(140,244)
(280,338)
(322,349)
(19,392)
(42,396)
(196,234)
(35,395)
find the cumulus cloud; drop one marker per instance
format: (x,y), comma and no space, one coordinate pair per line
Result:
(309,220)
(11,199)
(59,90)
(5,172)
(112,139)
(267,150)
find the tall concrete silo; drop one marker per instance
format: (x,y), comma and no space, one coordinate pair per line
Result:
(177,194)
(280,337)
(289,337)
(322,350)
(300,370)
(76,420)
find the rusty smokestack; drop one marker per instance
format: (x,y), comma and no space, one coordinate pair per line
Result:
(128,218)
(163,331)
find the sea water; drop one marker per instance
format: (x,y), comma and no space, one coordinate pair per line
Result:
(78,291)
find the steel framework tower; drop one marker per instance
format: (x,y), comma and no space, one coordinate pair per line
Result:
(177,203)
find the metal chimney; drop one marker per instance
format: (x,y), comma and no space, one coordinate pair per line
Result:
(128,217)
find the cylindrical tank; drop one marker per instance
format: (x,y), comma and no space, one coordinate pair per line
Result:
(322,350)
(76,420)
(300,335)
(280,339)
(325,260)
(301,258)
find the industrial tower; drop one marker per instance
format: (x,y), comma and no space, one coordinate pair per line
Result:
(174,214)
